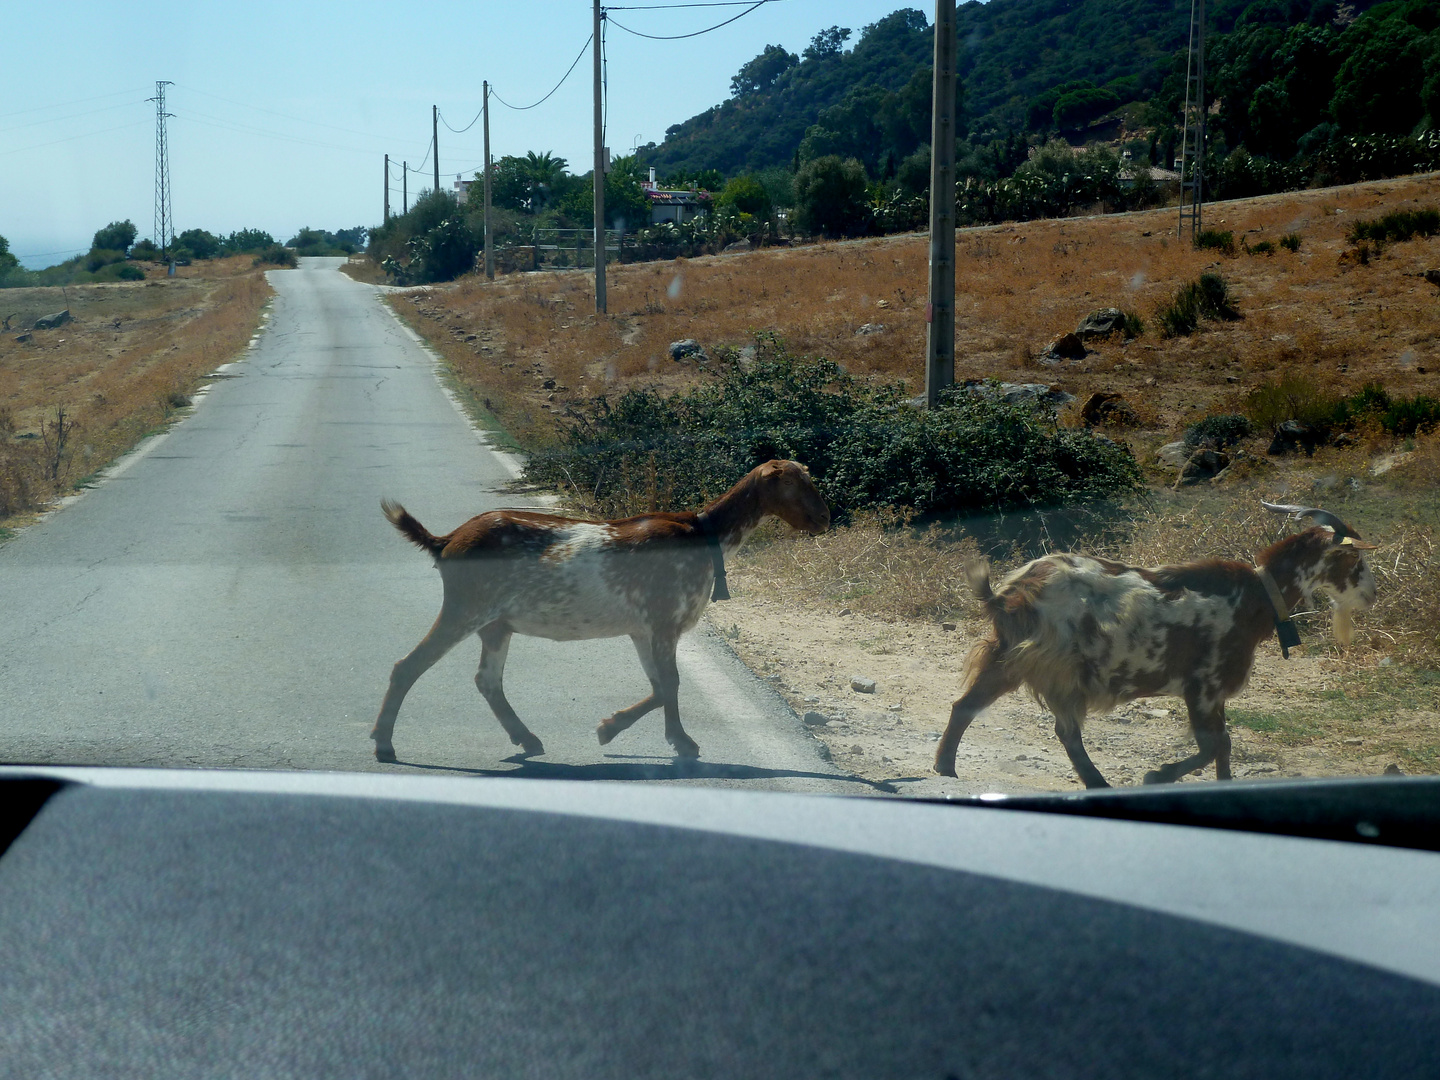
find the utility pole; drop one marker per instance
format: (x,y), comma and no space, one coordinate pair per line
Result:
(386,219)
(940,311)
(485,109)
(435,142)
(164,214)
(599,174)
(1192,141)
(404,187)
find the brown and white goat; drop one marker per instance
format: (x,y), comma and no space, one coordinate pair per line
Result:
(1085,634)
(649,577)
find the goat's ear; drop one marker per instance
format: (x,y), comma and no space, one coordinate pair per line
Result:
(772,468)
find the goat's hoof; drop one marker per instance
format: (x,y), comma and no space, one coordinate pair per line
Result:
(531,747)
(1155,776)
(945,768)
(385,753)
(605,732)
(686,749)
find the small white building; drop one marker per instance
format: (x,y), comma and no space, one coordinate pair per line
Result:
(675,205)
(462,189)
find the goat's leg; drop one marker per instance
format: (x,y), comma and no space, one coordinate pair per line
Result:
(1207,721)
(669,672)
(623,718)
(991,680)
(1068,718)
(442,637)
(490,681)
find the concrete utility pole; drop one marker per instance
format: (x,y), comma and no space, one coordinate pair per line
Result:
(940,311)
(485,110)
(599,175)
(435,142)
(387,189)
(404,187)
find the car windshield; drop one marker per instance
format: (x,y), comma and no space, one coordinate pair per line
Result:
(890,417)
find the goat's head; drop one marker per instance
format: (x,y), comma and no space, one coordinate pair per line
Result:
(1329,559)
(786,490)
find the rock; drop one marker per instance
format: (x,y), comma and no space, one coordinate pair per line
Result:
(813,719)
(862,686)
(1175,454)
(1066,347)
(1293,434)
(737,247)
(548,384)
(947,626)
(846,611)
(1393,770)
(1105,407)
(680,350)
(1203,465)
(894,708)
(1433,276)
(1101,323)
(871,328)
(50,322)
(25,337)
(746,357)
(1352,742)
(882,303)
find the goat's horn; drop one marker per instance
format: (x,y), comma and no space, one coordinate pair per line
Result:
(1315,514)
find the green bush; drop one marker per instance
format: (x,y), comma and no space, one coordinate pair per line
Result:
(99,257)
(1208,297)
(1264,247)
(864,443)
(1290,241)
(276,256)
(1396,228)
(199,243)
(145,250)
(1290,397)
(1221,431)
(1223,242)
(117,236)
(1294,397)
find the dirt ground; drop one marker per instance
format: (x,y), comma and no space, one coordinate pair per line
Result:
(917,668)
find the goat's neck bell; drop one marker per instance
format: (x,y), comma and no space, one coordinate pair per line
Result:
(1284,628)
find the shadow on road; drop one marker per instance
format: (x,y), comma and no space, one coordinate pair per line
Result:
(620,768)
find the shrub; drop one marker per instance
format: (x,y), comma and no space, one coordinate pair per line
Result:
(99,257)
(1264,247)
(129,272)
(1290,397)
(864,443)
(145,250)
(1220,431)
(198,243)
(1208,297)
(275,255)
(1223,242)
(1293,397)
(747,195)
(1395,228)
(1290,241)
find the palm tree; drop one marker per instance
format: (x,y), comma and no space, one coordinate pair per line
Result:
(542,171)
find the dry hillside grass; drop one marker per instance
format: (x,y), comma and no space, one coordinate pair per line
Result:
(130,359)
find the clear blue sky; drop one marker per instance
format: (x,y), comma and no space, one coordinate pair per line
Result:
(283,111)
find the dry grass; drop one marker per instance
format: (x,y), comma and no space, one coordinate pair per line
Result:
(1019,286)
(131,358)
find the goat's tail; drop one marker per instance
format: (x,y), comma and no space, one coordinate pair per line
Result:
(977,576)
(416,533)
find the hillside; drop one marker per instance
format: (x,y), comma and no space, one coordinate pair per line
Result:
(872,101)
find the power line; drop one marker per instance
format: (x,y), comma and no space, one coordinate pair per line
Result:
(697,33)
(71,138)
(74,101)
(283,115)
(522,108)
(73,116)
(467,127)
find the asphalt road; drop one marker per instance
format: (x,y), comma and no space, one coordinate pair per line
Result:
(230,596)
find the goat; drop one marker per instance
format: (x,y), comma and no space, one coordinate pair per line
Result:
(649,577)
(1085,634)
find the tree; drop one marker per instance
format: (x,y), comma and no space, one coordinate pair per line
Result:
(626,204)
(117,236)
(761,73)
(748,195)
(827,43)
(830,197)
(1378,87)
(246,242)
(199,243)
(8,262)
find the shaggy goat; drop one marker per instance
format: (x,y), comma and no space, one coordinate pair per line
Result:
(1085,634)
(521,572)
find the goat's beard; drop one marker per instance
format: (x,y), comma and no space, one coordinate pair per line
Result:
(1342,626)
